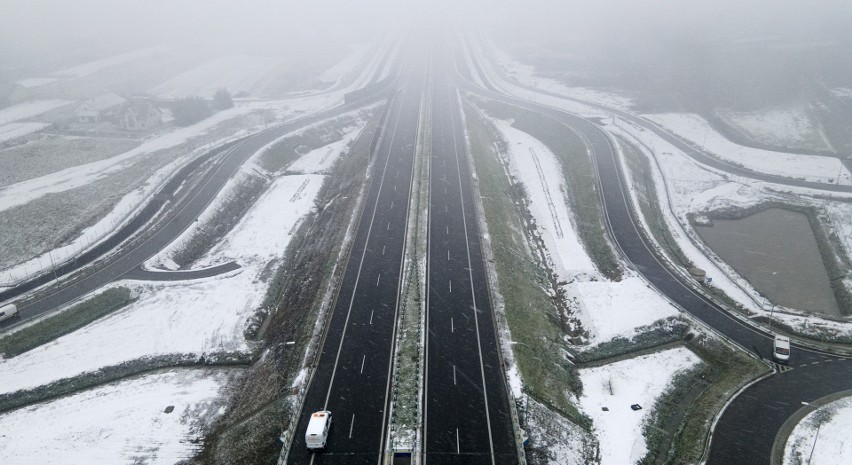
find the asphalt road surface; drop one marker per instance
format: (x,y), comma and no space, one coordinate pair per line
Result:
(114,263)
(466,407)
(746,430)
(687,147)
(353,374)
(66,284)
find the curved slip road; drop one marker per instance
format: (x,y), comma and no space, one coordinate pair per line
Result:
(180,275)
(746,430)
(682,144)
(115,258)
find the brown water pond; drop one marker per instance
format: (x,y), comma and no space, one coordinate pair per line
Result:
(777,252)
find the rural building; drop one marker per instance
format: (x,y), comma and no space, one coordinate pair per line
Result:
(104,107)
(139,115)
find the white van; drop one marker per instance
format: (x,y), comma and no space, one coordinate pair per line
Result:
(317,432)
(781,348)
(8,311)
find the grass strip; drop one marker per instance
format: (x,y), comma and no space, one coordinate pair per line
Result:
(539,346)
(264,403)
(677,432)
(66,321)
(580,179)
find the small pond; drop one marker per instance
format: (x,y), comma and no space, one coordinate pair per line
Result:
(776,250)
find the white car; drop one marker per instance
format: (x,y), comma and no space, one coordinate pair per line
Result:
(317,433)
(8,311)
(781,348)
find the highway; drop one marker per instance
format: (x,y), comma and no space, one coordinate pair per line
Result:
(352,377)
(687,147)
(746,430)
(466,417)
(115,258)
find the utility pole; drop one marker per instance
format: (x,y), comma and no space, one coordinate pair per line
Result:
(53,263)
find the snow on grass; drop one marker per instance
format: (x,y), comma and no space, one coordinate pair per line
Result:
(698,131)
(783,126)
(121,213)
(321,159)
(842,92)
(527,75)
(611,309)
(60,181)
(198,317)
(237,73)
(81,175)
(690,126)
(684,186)
(15,130)
(619,385)
(93,67)
(496,63)
(494,75)
(606,309)
(537,168)
(822,437)
(336,73)
(392,57)
(841,218)
(554,440)
(122,422)
(31,83)
(268,227)
(28,110)
(474,74)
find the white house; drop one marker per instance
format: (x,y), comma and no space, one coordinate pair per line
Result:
(139,115)
(99,108)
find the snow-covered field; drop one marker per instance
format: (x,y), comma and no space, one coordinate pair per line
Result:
(619,385)
(206,131)
(123,422)
(537,168)
(197,317)
(25,191)
(789,126)
(31,83)
(527,75)
(28,110)
(236,73)
(685,186)
(605,309)
(15,130)
(89,68)
(697,130)
(319,160)
(822,437)
(93,67)
(689,126)
(337,72)
(562,442)
(616,309)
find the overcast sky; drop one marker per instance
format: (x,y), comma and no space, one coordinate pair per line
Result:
(606,28)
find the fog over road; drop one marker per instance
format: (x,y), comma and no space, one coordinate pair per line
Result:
(746,431)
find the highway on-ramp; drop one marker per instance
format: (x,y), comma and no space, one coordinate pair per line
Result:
(747,428)
(116,258)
